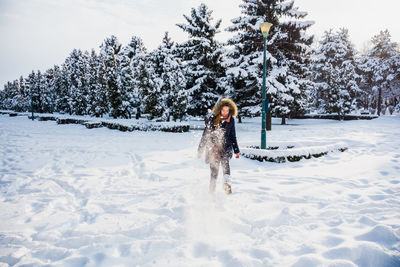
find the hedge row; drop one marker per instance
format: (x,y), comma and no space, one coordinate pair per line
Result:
(346,117)
(10,113)
(90,124)
(139,127)
(275,154)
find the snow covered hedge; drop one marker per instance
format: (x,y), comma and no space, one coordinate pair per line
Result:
(128,126)
(148,126)
(116,124)
(93,124)
(290,153)
(46,118)
(10,113)
(336,117)
(69,121)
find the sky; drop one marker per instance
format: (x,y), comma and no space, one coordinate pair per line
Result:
(38,34)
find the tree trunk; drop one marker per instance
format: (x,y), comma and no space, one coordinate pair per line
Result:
(283,120)
(240,119)
(269,121)
(138,113)
(379,101)
(366,103)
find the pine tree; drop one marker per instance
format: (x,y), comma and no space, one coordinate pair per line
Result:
(137,53)
(378,68)
(125,85)
(61,91)
(179,103)
(130,57)
(168,74)
(97,97)
(157,59)
(22,99)
(35,88)
(150,91)
(336,81)
(109,51)
(76,76)
(202,59)
(393,96)
(158,55)
(92,83)
(174,91)
(48,96)
(3,97)
(15,95)
(8,93)
(288,55)
(102,106)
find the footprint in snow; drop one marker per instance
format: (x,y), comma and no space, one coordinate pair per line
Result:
(332,241)
(384,173)
(138,168)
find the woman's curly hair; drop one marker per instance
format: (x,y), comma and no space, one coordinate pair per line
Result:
(224,102)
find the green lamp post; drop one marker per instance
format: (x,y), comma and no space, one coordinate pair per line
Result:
(264,29)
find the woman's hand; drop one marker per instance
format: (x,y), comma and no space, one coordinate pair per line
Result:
(237,155)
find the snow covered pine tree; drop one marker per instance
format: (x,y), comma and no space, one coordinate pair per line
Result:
(168,71)
(380,69)
(109,51)
(76,71)
(288,52)
(202,59)
(132,56)
(335,77)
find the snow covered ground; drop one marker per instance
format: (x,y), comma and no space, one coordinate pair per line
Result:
(70,196)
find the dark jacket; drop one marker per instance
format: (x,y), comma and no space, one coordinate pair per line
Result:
(210,136)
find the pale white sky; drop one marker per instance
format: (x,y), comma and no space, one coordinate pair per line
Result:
(36,34)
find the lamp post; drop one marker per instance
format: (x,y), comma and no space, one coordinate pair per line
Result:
(264,29)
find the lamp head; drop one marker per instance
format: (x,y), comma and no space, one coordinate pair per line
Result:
(265,26)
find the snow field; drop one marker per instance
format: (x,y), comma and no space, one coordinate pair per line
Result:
(70,196)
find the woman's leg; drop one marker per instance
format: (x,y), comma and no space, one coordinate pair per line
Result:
(226,170)
(227,174)
(214,168)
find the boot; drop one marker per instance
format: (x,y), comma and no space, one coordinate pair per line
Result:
(227,184)
(227,188)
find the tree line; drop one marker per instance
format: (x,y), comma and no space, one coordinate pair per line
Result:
(177,80)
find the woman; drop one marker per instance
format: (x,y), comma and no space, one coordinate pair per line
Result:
(219,139)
